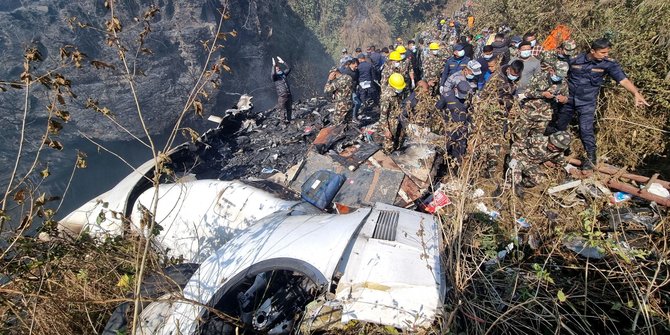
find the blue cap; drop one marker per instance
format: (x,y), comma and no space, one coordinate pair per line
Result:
(458,47)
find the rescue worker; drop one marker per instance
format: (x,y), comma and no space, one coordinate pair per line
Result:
(345,57)
(393,95)
(585,78)
(455,63)
(432,67)
(531,66)
(529,156)
(395,64)
(562,54)
(499,94)
(536,49)
(350,68)
(458,121)
(280,79)
(366,88)
(415,58)
(339,86)
(409,73)
(501,48)
(469,74)
(546,94)
(420,117)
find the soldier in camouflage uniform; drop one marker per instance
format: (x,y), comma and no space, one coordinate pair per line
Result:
(528,156)
(340,86)
(392,97)
(546,93)
(396,64)
(560,55)
(497,100)
(421,120)
(433,65)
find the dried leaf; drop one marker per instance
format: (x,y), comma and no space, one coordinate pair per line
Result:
(197,105)
(45,173)
(102,65)
(20,196)
(81,160)
(63,115)
(41,200)
(60,99)
(151,12)
(54,127)
(191,133)
(147,51)
(53,144)
(32,54)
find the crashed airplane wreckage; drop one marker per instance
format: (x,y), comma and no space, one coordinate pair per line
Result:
(261,258)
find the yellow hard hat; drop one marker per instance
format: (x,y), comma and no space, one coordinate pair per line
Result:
(397,81)
(395,56)
(443,21)
(400,49)
(434,46)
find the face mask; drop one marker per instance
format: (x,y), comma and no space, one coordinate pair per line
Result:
(470,76)
(511,77)
(280,72)
(516,45)
(460,54)
(556,78)
(413,48)
(532,43)
(402,56)
(525,53)
(487,57)
(435,52)
(398,91)
(396,64)
(562,56)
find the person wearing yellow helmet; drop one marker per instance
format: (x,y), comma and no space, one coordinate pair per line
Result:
(396,64)
(401,50)
(432,67)
(397,82)
(390,109)
(409,73)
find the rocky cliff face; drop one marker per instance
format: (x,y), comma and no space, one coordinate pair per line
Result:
(165,77)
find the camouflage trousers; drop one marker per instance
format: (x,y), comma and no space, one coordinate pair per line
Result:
(528,174)
(341,110)
(389,124)
(532,121)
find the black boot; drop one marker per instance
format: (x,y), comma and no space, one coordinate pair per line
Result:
(590,162)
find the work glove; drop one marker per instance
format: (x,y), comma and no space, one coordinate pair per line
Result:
(281,61)
(273,62)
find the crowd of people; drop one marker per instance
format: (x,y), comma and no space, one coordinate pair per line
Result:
(426,90)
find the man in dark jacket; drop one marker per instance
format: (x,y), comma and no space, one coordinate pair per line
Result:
(367,74)
(501,48)
(284,97)
(350,68)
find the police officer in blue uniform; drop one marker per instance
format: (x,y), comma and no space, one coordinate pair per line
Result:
(454,104)
(455,63)
(585,77)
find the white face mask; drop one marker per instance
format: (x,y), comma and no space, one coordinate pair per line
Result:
(460,53)
(396,64)
(511,77)
(402,56)
(398,91)
(435,52)
(532,43)
(525,53)
(470,76)
(556,78)
(487,57)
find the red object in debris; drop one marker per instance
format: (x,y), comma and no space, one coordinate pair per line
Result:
(437,201)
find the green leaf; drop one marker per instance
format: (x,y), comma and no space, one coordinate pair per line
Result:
(561,296)
(617,306)
(124,281)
